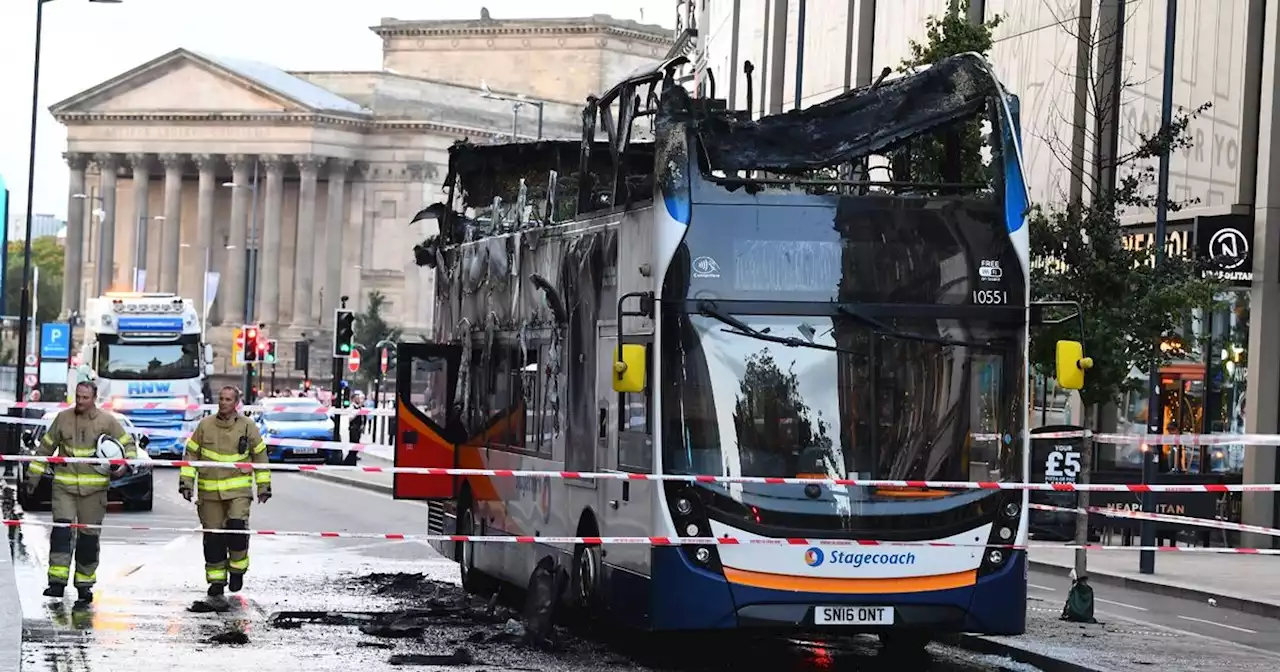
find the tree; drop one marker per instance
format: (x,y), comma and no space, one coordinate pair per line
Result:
(1127,303)
(372,328)
(949,35)
(46,255)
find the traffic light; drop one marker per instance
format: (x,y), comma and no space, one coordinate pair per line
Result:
(344,332)
(301,355)
(237,347)
(269,355)
(251,346)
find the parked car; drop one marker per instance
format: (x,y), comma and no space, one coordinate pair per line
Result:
(134,489)
(298,419)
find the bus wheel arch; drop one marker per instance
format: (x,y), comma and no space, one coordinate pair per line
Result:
(587,562)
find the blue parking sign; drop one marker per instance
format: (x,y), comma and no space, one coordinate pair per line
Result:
(55,340)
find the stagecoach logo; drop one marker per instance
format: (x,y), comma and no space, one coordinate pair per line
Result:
(813,557)
(705,267)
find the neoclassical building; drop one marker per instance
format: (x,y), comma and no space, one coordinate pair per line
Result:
(193,160)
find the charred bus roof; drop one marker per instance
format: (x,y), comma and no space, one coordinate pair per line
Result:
(824,147)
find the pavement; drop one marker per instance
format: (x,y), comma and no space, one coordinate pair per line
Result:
(329,604)
(1231,581)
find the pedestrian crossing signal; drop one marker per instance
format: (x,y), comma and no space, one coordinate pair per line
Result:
(269,353)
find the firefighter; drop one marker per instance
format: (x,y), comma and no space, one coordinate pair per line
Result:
(79,489)
(225,493)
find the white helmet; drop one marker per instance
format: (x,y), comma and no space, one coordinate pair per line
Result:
(110,449)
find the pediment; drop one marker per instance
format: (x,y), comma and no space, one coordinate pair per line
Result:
(186,87)
(186,82)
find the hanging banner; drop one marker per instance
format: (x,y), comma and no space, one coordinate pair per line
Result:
(210,292)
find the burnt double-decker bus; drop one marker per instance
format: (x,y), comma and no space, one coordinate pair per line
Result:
(703,293)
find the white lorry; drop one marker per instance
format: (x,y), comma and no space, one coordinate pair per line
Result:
(148,347)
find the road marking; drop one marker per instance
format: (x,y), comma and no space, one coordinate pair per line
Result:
(1121,604)
(1032,585)
(1220,625)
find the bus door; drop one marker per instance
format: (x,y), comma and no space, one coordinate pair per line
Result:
(427,425)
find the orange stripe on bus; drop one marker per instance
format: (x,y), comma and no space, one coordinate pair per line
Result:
(813,584)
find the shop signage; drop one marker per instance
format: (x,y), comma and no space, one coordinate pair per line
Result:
(1225,244)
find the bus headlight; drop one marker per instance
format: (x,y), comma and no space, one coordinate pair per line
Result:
(691,529)
(1012,509)
(1005,534)
(702,555)
(996,557)
(684,507)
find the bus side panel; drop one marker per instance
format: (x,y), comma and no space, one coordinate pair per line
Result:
(685,597)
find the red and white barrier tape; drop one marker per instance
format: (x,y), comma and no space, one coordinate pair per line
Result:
(137,404)
(641,541)
(1114,438)
(1163,518)
(270,440)
(628,476)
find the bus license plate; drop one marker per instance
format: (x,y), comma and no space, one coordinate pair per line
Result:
(850,615)
(304,451)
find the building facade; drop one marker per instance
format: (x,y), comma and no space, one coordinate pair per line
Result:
(1087,98)
(193,163)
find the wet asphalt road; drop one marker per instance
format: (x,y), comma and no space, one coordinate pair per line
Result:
(306,601)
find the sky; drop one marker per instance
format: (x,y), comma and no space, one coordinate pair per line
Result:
(85,44)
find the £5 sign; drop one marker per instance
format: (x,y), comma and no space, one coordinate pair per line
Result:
(1062,465)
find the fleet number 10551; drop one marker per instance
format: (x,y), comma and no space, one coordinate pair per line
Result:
(990,297)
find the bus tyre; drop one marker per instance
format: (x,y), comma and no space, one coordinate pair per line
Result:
(904,642)
(586,579)
(464,551)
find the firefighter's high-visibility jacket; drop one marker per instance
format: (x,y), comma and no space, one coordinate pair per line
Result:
(232,440)
(73,434)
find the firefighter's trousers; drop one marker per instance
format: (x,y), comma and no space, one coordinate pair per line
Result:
(69,507)
(224,552)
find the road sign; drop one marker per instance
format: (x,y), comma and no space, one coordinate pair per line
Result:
(353,362)
(31,380)
(383,363)
(31,359)
(55,340)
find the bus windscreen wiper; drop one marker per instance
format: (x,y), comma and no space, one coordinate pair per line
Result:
(884,329)
(743,329)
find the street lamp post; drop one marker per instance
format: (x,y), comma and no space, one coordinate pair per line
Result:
(516,103)
(251,261)
(1155,424)
(24,307)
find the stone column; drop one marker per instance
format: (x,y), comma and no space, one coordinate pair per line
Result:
(141,214)
(268,271)
(1262,397)
(330,262)
(203,248)
(234,273)
(303,280)
(171,240)
(73,259)
(108,165)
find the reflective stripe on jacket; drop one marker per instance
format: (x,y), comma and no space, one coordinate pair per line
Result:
(74,434)
(233,440)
